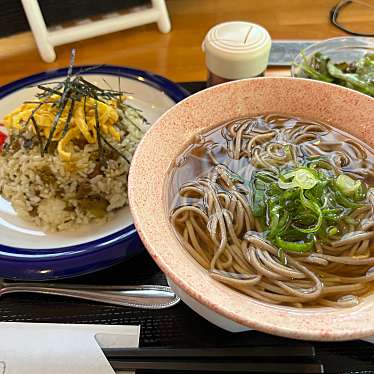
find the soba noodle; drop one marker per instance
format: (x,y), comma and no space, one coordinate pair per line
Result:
(226,220)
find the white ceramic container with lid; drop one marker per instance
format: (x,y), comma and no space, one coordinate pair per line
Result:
(236,50)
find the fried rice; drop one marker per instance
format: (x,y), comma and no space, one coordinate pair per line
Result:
(59,195)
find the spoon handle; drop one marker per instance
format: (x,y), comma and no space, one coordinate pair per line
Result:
(143,296)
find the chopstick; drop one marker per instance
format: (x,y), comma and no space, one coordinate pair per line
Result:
(302,351)
(278,359)
(216,366)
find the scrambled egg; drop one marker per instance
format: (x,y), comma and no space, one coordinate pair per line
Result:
(82,125)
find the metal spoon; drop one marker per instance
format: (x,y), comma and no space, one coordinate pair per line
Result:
(141,296)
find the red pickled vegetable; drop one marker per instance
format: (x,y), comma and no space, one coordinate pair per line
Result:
(2,139)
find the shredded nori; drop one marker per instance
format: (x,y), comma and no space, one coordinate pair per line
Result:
(72,89)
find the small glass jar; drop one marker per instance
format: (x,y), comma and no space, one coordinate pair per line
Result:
(236,50)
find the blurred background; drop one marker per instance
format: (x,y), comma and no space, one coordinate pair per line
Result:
(176,55)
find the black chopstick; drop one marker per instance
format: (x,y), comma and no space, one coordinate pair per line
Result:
(217,359)
(284,351)
(215,366)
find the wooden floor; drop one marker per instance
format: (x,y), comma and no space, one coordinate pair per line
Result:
(178,55)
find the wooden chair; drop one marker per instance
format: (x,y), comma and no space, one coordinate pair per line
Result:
(46,39)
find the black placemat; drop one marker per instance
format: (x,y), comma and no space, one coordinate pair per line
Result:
(178,326)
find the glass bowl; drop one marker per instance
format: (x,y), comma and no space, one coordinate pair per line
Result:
(341,49)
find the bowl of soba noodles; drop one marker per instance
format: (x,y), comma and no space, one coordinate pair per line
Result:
(255,197)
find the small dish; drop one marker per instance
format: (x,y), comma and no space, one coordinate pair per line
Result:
(28,253)
(345,109)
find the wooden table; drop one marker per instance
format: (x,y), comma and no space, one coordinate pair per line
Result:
(178,55)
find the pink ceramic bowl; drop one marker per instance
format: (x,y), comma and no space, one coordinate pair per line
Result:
(148,185)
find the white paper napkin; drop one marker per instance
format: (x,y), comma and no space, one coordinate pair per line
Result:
(35,348)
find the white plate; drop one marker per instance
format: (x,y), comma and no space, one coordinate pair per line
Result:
(150,93)
(16,232)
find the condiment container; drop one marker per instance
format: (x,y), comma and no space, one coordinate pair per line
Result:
(236,50)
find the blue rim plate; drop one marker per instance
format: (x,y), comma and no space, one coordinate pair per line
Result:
(62,262)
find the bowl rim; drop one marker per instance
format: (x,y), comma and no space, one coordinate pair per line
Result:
(309,332)
(170,88)
(17,255)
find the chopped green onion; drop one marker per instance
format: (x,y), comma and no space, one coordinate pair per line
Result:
(347,185)
(332,231)
(314,207)
(286,185)
(305,179)
(304,204)
(345,201)
(302,178)
(294,246)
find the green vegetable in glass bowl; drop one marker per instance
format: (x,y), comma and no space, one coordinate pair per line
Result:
(358,75)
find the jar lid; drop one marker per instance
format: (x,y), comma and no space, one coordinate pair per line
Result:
(236,50)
